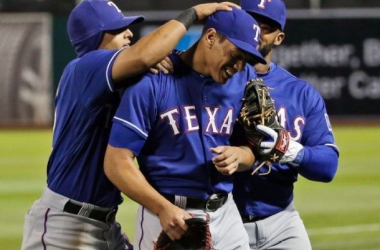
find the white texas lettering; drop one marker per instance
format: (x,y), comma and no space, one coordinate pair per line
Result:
(226,126)
(211,121)
(189,115)
(172,120)
(190,118)
(298,122)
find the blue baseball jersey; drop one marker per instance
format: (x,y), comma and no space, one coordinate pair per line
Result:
(170,122)
(302,112)
(86,101)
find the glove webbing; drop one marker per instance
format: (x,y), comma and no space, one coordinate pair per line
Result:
(265,114)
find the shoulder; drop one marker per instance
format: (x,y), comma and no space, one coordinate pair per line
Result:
(288,78)
(96,62)
(98,57)
(156,83)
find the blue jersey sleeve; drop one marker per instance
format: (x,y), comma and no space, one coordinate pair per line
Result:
(135,116)
(318,130)
(95,70)
(320,161)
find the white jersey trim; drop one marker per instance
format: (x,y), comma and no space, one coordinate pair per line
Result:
(132,125)
(332,145)
(108,67)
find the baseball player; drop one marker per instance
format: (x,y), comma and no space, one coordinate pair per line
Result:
(266,201)
(179,130)
(77,209)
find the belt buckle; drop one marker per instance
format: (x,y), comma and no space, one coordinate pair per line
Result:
(213,197)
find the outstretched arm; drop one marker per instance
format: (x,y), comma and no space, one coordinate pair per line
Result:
(316,163)
(153,48)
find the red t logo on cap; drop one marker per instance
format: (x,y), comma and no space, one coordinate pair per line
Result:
(262,3)
(114,5)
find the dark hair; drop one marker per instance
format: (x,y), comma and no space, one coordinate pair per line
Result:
(222,37)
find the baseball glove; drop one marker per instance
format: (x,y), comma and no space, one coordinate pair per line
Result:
(258,109)
(197,237)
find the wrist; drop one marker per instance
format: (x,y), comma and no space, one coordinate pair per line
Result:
(187,18)
(299,157)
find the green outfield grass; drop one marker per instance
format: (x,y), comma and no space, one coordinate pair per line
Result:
(342,215)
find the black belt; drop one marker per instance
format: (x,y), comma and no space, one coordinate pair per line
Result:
(96,214)
(252,218)
(213,203)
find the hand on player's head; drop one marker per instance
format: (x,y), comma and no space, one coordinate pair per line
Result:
(207,9)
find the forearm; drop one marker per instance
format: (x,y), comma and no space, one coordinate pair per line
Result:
(121,170)
(319,163)
(148,51)
(160,42)
(247,158)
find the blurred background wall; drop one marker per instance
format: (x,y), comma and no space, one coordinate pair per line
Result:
(333,44)
(60,7)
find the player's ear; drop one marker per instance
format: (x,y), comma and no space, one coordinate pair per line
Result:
(279,38)
(210,37)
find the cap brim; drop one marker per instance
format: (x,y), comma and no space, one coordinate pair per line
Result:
(248,48)
(123,23)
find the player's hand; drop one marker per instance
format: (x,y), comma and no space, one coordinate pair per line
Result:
(172,220)
(165,66)
(293,154)
(207,9)
(227,159)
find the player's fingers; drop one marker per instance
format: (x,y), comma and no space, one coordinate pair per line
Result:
(225,161)
(175,230)
(186,215)
(266,147)
(167,64)
(153,71)
(217,150)
(176,233)
(228,170)
(205,10)
(228,6)
(160,67)
(267,131)
(180,228)
(224,158)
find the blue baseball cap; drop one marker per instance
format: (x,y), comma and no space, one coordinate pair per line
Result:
(90,19)
(239,28)
(275,10)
